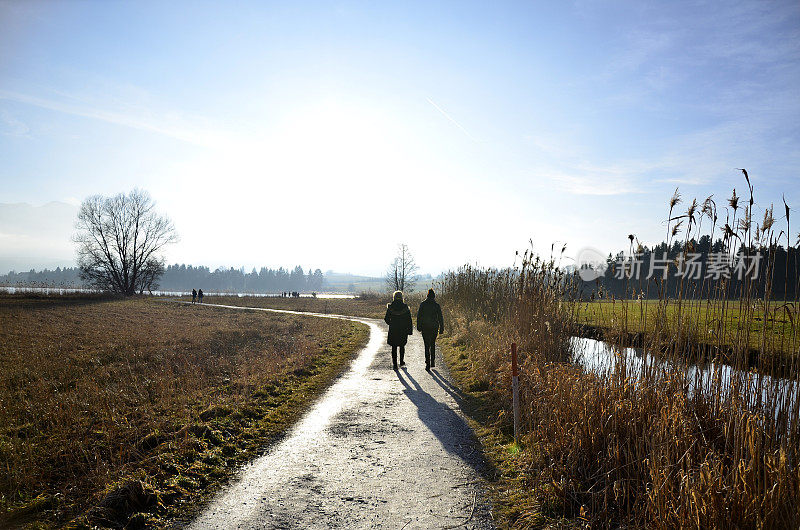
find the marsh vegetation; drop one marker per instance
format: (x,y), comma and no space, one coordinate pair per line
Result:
(615,447)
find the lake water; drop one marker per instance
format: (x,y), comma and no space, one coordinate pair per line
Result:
(74,290)
(599,357)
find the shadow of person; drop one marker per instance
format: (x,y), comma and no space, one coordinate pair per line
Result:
(448,426)
(476,408)
(454,392)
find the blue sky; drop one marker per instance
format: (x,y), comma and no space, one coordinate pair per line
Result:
(325,133)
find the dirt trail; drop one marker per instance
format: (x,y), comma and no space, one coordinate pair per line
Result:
(379,448)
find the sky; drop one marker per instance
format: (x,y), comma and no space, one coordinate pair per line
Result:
(324,134)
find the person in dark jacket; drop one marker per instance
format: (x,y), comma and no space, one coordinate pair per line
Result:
(200,296)
(398,316)
(194,295)
(430,323)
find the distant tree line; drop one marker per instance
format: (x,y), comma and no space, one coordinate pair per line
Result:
(776,268)
(182,277)
(66,277)
(185,277)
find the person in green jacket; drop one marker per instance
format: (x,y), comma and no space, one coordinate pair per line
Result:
(430,323)
(398,316)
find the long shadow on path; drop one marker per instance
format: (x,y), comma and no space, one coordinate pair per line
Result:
(448,426)
(479,409)
(448,387)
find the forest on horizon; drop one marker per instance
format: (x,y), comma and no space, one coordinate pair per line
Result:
(181,277)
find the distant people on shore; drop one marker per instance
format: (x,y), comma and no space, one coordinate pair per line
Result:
(200,295)
(194,295)
(398,316)
(430,323)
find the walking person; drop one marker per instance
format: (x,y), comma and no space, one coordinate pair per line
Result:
(194,295)
(430,323)
(398,316)
(200,295)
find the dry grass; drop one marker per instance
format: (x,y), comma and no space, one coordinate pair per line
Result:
(103,397)
(620,448)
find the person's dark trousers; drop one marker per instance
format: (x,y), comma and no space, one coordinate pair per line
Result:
(430,348)
(394,355)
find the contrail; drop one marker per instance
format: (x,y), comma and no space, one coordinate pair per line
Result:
(446,115)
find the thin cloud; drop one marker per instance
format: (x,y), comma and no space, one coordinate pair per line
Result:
(10,126)
(139,120)
(599,182)
(446,115)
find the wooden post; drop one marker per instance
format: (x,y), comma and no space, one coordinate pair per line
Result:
(515,389)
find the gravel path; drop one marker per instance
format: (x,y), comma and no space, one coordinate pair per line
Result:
(379,448)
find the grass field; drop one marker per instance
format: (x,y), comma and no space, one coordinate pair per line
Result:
(701,321)
(132,412)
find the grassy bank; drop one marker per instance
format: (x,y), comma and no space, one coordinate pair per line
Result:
(132,412)
(703,322)
(519,501)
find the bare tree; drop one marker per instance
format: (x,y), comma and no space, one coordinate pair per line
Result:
(400,275)
(151,272)
(119,239)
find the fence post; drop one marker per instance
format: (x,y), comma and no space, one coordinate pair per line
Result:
(515,389)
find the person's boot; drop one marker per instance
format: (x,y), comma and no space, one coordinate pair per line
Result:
(433,360)
(394,361)
(402,355)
